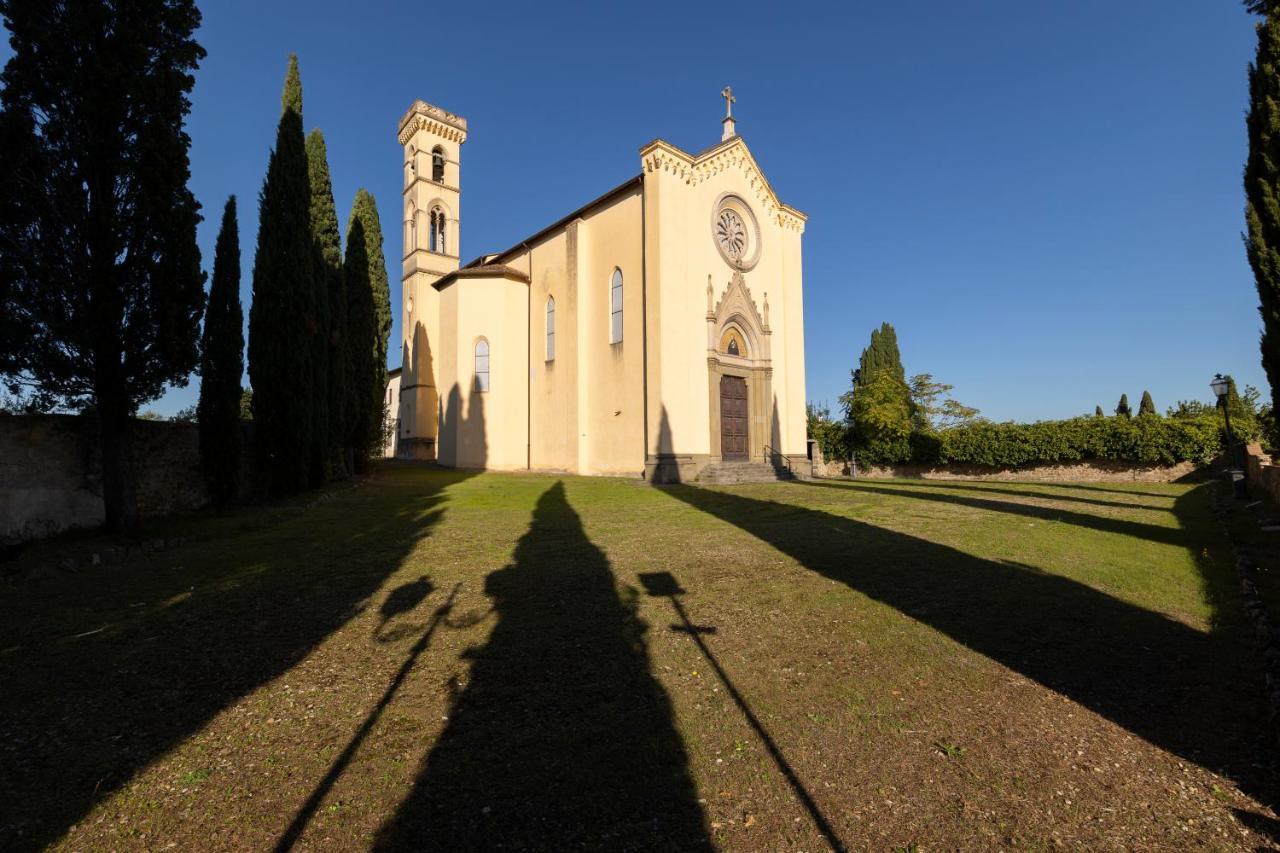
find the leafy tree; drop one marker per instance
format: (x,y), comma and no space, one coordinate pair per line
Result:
(282,319)
(222,367)
(878,405)
(1122,408)
(369,325)
(1147,406)
(1262,185)
(1097,412)
(830,435)
(246,404)
(100,282)
(933,408)
(1189,410)
(324,231)
(189,415)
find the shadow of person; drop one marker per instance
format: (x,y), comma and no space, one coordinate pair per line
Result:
(1190,692)
(221,618)
(561,739)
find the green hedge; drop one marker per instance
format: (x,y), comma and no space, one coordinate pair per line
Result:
(1146,440)
(1143,440)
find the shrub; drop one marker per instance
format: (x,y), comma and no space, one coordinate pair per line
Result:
(1147,441)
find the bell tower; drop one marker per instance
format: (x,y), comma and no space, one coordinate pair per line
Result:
(432,140)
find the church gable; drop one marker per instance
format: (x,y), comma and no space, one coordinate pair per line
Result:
(731,154)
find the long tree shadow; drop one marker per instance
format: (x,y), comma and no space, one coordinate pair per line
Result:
(1104,523)
(561,739)
(1190,692)
(982,487)
(113,676)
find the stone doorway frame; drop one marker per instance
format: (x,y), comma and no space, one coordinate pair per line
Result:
(736,310)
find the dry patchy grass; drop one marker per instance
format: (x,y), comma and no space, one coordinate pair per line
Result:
(437,660)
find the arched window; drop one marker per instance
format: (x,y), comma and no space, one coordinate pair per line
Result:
(615,307)
(435,239)
(413,231)
(551,328)
(482,365)
(437,165)
(411,165)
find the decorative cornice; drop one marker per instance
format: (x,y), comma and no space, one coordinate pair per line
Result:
(661,156)
(424,116)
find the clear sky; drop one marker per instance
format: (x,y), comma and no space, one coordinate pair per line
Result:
(1044,198)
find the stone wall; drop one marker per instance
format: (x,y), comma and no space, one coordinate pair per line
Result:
(1093,471)
(1263,473)
(51,473)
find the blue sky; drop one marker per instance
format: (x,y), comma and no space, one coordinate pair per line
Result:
(1043,198)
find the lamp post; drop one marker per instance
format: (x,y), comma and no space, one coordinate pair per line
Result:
(1221,387)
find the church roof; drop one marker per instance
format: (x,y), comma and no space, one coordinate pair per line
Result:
(483,271)
(562,221)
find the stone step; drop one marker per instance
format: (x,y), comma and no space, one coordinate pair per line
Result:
(738,472)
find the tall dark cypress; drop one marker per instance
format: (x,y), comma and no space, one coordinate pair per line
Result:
(324,230)
(1262,186)
(101,289)
(1147,406)
(1097,412)
(222,367)
(1122,408)
(282,317)
(368,323)
(882,354)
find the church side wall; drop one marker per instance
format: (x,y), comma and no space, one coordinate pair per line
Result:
(611,406)
(553,397)
(485,429)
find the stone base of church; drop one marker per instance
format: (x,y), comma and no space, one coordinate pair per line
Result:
(660,468)
(421,449)
(800,465)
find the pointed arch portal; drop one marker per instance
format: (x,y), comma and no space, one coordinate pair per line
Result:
(740,375)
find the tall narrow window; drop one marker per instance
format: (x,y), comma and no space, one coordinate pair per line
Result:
(437,165)
(413,231)
(482,365)
(615,308)
(435,238)
(551,328)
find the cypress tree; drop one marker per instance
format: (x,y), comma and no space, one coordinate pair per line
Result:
(1122,408)
(369,324)
(101,289)
(1147,406)
(222,367)
(882,354)
(1097,412)
(1262,185)
(282,317)
(324,231)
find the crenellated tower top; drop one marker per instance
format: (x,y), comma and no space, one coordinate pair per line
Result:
(434,120)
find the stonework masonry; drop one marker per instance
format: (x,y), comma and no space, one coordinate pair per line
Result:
(51,473)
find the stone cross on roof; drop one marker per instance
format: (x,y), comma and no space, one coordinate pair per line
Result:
(727,121)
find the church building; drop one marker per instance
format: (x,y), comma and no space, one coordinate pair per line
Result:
(657,331)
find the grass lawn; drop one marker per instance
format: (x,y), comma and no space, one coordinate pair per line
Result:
(437,660)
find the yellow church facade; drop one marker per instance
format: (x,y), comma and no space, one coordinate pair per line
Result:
(657,331)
